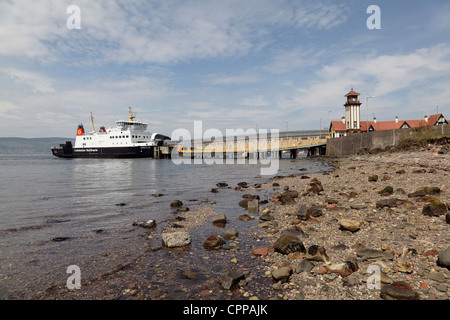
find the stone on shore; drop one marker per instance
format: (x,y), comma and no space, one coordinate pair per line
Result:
(390,203)
(444,258)
(253,206)
(399,290)
(289,244)
(343,269)
(260,251)
(387,191)
(314,211)
(230,234)
(145,224)
(222,185)
(176,204)
(245,217)
(213,243)
(424,192)
(244,203)
(221,219)
(404,265)
(316,253)
(305,265)
(176,239)
(282,274)
(315,188)
(303,213)
(350,225)
(434,209)
(230,279)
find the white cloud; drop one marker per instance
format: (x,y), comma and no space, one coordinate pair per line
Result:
(246,78)
(401,84)
(38,83)
(156,31)
(258,101)
(9,110)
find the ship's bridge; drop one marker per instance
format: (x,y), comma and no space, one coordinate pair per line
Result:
(131,125)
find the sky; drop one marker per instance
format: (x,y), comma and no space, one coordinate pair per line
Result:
(271,64)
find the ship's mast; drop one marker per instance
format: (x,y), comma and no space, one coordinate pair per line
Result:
(131,116)
(92,122)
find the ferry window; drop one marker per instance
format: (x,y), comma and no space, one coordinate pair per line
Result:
(127,136)
(84,138)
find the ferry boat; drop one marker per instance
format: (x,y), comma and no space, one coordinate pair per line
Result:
(129,139)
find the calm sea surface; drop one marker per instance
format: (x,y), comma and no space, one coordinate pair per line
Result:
(58,212)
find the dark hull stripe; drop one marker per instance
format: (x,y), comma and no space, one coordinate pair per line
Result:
(111,152)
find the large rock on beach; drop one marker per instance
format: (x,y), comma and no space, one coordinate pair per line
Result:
(314,211)
(424,192)
(230,279)
(343,269)
(253,206)
(176,204)
(303,213)
(349,224)
(289,244)
(213,242)
(390,203)
(399,290)
(444,258)
(176,239)
(316,253)
(220,219)
(231,234)
(282,274)
(434,209)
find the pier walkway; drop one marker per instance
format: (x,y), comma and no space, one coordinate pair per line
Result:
(292,144)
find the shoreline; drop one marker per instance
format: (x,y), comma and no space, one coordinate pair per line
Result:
(396,238)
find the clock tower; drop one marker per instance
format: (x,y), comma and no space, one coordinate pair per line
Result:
(352,112)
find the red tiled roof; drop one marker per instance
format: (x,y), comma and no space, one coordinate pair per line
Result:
(352,93)
(434,118)
(389,125)
(338,125)
(418,123)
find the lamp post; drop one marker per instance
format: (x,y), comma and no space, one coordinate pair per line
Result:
(367,121)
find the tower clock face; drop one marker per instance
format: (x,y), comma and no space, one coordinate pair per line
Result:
(354,99)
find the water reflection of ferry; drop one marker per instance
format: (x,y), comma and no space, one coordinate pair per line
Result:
(129,139)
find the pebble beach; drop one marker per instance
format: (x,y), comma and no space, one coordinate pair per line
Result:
(375,227)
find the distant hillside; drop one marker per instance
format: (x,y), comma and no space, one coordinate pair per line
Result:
(29,145)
